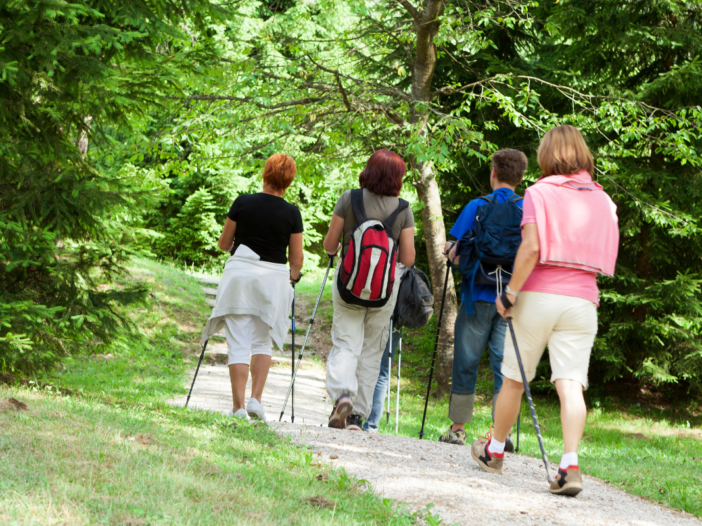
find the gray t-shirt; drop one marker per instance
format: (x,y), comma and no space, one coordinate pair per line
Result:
(377,207)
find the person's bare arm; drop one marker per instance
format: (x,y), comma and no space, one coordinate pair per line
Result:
(406,248)
(524,263)
(296,255)
(331,241)
(226,239)
(452,253)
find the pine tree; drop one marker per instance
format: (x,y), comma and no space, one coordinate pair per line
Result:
(68,70)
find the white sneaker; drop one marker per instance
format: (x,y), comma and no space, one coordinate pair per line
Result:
(255,409)
(240,414)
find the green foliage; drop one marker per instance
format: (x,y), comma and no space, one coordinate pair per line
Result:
(640,61)
(193,234)
(68,70)
(329,84)
(330,81)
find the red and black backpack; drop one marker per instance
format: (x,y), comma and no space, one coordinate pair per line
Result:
(367,272)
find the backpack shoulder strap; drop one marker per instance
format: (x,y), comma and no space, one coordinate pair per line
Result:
(489,198)
(514,198)
(357,203)
(390,221)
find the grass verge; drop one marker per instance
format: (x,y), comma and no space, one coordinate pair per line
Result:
(111,451)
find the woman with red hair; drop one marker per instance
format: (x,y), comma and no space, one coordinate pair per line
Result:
(262,232)
(360,324)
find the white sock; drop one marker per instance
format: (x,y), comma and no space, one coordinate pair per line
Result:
(568,459)
(496,447)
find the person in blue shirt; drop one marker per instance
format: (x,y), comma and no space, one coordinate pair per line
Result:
(485,327)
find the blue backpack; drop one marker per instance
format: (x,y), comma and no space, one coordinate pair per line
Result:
(490,247)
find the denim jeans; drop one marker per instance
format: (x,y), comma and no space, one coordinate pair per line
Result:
(484,328)
(381,388)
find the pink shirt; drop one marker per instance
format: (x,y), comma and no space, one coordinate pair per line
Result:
(578,235)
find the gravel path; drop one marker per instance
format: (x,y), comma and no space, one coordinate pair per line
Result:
(213,392)
(422,472)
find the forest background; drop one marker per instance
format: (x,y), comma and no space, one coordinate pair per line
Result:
(129,128)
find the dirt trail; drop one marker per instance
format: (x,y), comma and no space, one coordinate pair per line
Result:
(422,472)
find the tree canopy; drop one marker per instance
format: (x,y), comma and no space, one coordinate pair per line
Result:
(182,113)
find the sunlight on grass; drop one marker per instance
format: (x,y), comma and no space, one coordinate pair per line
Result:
(114,452)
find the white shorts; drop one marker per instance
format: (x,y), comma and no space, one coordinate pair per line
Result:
(246,335)
(567,324)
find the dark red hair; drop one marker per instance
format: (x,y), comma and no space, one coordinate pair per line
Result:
(383,173)
(279,171)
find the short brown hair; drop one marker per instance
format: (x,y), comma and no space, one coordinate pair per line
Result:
(383,173)
(563,151)
(279,171)
(509,166)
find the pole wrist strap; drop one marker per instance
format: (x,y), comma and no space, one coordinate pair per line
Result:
(505,301)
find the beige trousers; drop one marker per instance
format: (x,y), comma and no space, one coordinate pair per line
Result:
(359,336)
(568,325)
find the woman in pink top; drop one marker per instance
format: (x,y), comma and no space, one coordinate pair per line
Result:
(570,233)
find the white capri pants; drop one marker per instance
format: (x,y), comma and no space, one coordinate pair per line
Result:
(246,336)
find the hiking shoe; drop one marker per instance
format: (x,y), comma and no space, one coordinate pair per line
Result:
(509,445)
(255,409)
(354,423)
(240,414)
(342,409)
(568,482)
(490,463)
(457,437)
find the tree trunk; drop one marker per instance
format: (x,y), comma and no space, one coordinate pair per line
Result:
(426,25)
(83,141)
(435,237)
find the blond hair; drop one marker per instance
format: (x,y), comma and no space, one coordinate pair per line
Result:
(563,151)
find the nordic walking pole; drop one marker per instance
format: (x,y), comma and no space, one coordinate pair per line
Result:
(292,417)
(307,335)
(529,399)
(436,346)
(202,355)
(399,365)
(519,418)
(324,414)
(387,413)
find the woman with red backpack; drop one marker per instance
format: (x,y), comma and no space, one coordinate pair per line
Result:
(378,237)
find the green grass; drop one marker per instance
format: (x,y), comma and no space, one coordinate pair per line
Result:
(111,451)
(656,454)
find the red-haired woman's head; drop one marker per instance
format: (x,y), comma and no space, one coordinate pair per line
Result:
(279,172)
(383,173)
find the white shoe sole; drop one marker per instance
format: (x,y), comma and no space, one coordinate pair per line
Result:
(256,412)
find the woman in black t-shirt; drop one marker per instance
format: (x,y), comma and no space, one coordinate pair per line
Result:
(262,232)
